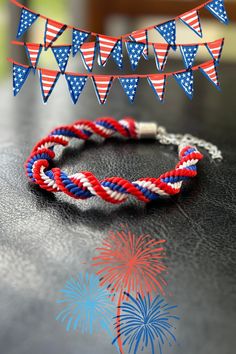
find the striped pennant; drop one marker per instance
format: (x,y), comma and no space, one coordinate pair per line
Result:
(210,72)
(158,84)
(87,51)
(192,20)
(185,81)
(102,85)
(215,48)
(142,37)
(20,74)
(106,46)
(189,53)
(48,79)
(33,51)
(161,52)
(75,85)
(53,30)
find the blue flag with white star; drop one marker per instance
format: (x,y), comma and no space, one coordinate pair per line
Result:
(168,31)
(75,85)
(20,74)
(135,51)
(61,54)
(117,54)
(130,87)
(189,53)
(27,18)
(185,80)
(78,38)
(217,8)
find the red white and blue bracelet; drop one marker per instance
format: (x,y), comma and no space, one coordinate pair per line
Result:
(84,185)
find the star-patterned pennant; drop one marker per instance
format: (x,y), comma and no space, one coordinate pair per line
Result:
(130,87)
(27,18)
(61,54)
(215,48)
(168,31)
(142,37)
(102,85)
(209,70)
(33,51)
(135,51)
(158,84)
(189,53)
(87,51)
(76,85)
(106,46)
(217,8)
(20,74)
(53,30)
(78,38)
(48,80)
(161,52)
(185,80)
(117,54)
(192,20)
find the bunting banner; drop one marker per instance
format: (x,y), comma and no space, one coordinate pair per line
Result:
(130,86)
(102,85)
(189,53)
(20,74)
(48,80)
(33,51)
(209,70)
(88,51)
(168,31)
(215,48)
(78,38)
(135,51)
(192,20)
(75,85)
(161,52)
(106,46)
(117,54)
(158,84)
(217,8)
(141,37)
(53,30)
(62,54)
(27,18)
(185,80)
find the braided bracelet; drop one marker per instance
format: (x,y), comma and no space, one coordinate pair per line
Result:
(84,185)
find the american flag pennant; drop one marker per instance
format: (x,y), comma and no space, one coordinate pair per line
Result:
(215,48)
(135,51)
(87,51)
(76,85)
(117,54)
(192,20)
(78,38)
(142,37)
(189,53)
(158,84)
(161,52)
(106,46)
(217,8)
(53,30)
(185,81)
(33,51)
(102,85)
(27,18)
(48,80)
(20,74)
(61,54)
(168,31)
(130,87)
(210,72)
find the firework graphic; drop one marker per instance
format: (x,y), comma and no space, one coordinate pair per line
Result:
(145,323)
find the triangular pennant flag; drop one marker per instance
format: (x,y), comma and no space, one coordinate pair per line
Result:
(210,72)
(141,37)
(117,54)
(215,48)
(106,46)
(53,30)
(102,85)
(88,54)
(135,51)
(48,79)
(161,53)
(33,51)
(61,54)
(189,53)
(78,38)
(168,31)
(217,8)
(192,20)
(185,80)
(27,18)
(158,84)
(20,74)
(130,86)
(75,85)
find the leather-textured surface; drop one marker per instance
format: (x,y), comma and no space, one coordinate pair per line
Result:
(47,238)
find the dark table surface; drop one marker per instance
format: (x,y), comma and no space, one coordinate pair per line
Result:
(46,238)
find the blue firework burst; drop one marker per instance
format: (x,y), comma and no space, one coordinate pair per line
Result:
(145,323)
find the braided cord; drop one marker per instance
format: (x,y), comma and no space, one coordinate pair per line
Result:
(115,190)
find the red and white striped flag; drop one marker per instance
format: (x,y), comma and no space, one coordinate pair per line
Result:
(87,51)
(161,51)
(209,70)
(158,84)
(106,45)
(215,48)
(192,20)
(53,30)
(102,85)
(48,79)
(141,37)
(33,51)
